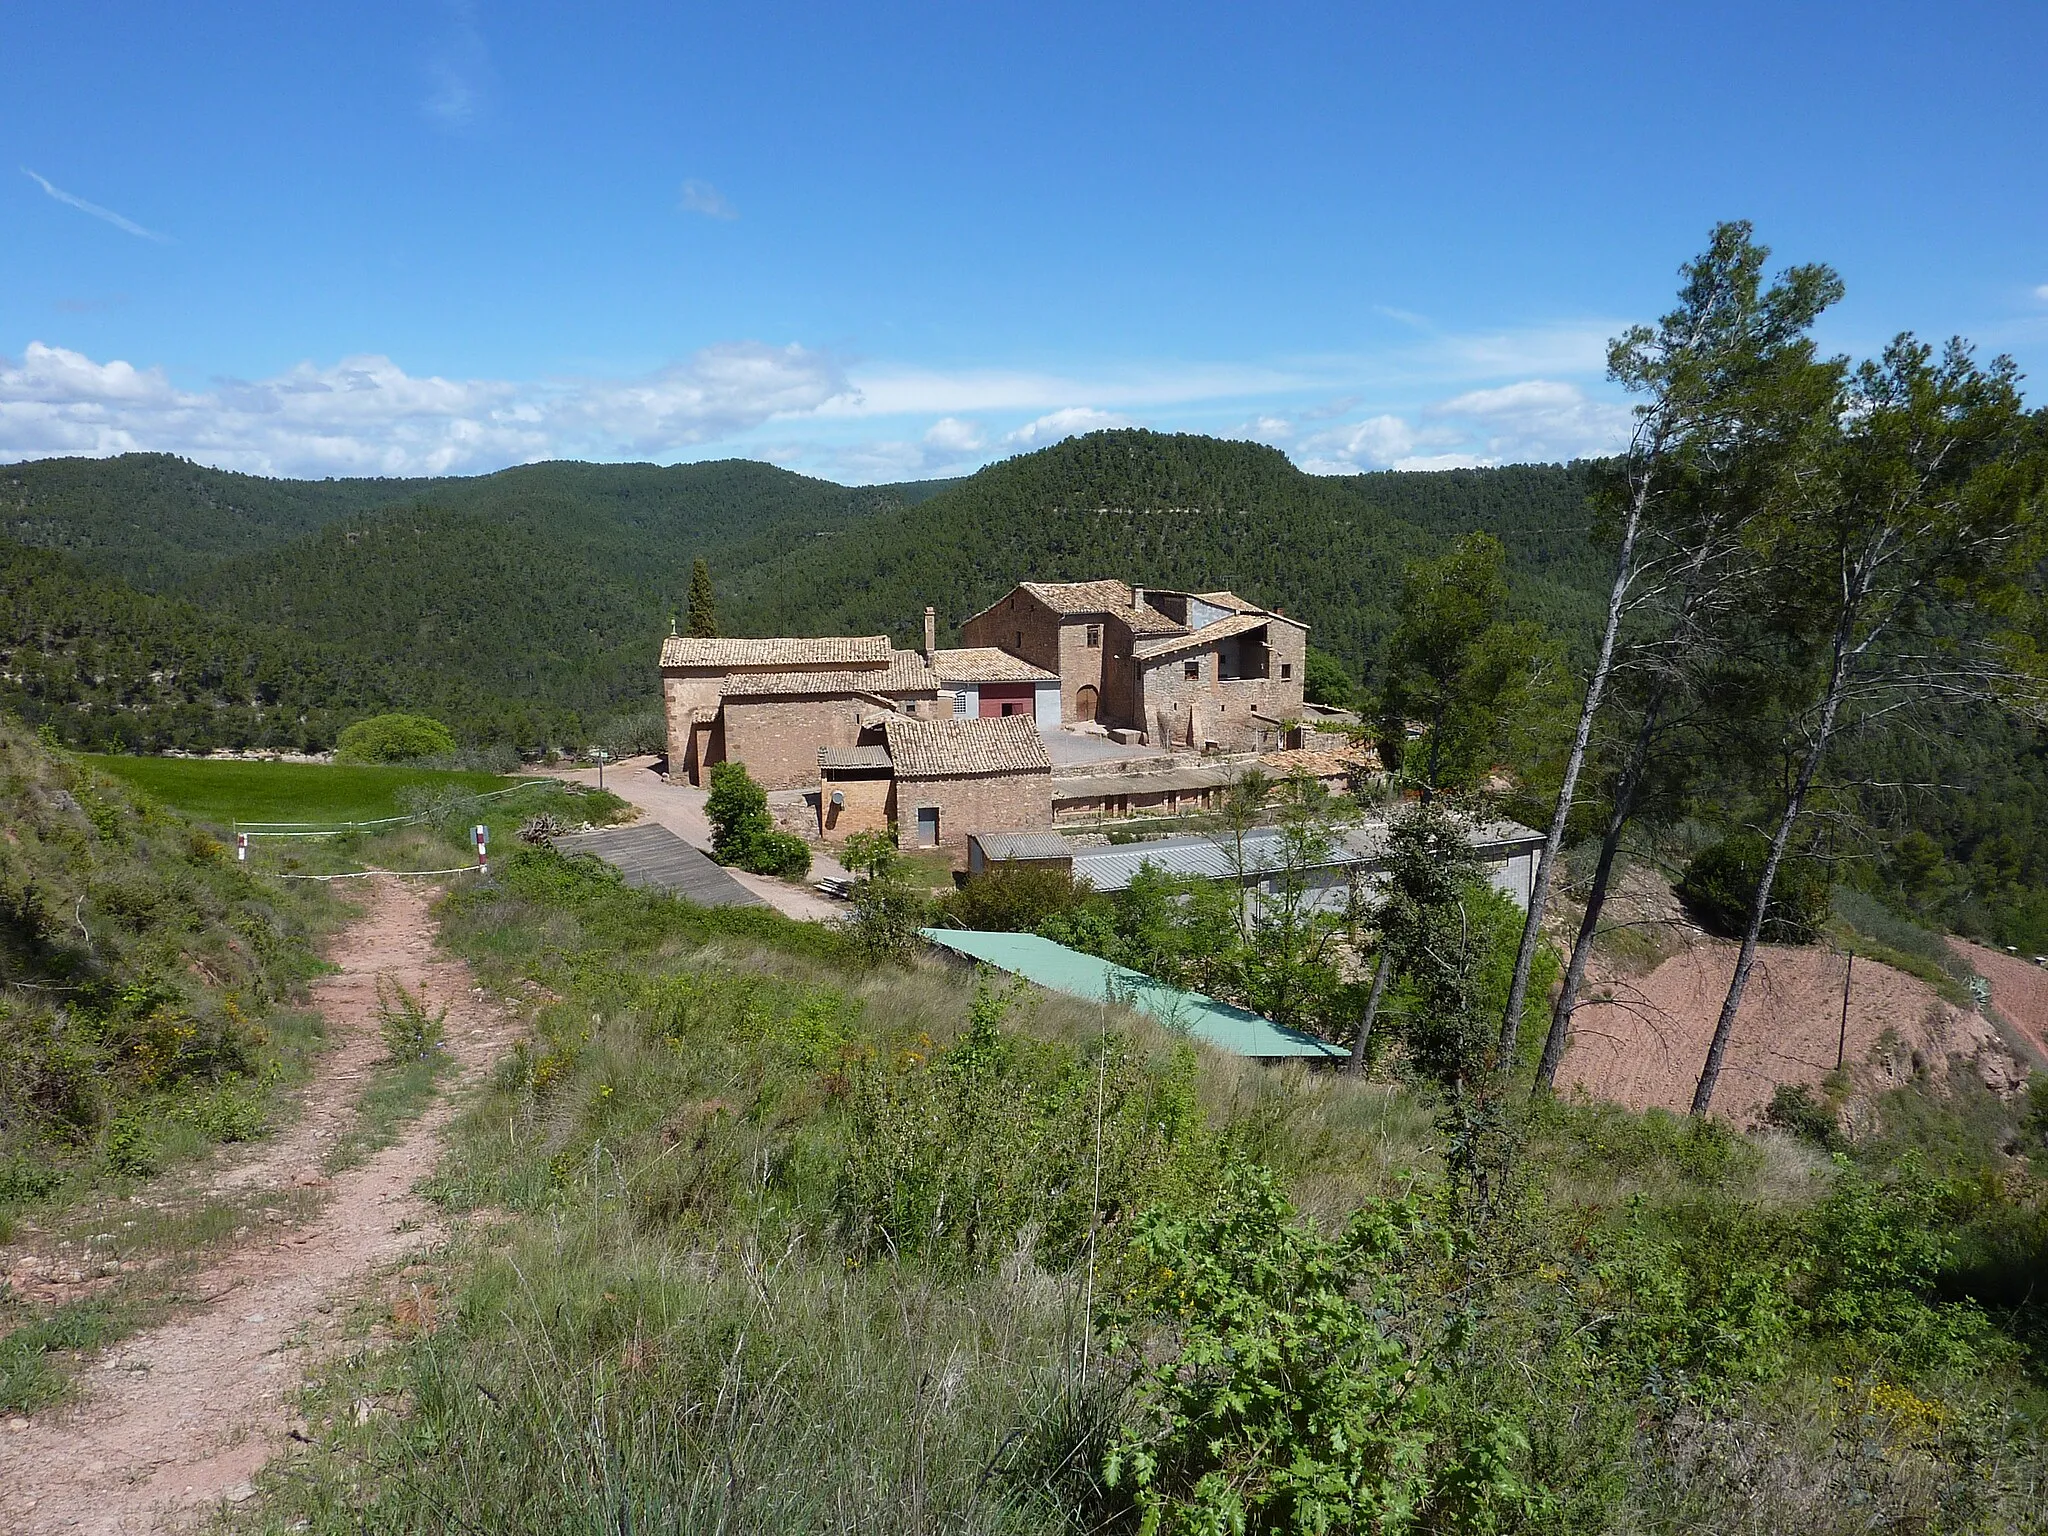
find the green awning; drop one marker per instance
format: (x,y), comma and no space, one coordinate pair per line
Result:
(1060,969)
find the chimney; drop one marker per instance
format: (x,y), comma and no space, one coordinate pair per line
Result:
(931,635)
(1137,597)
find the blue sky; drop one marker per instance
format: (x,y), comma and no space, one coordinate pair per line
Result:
(889,242)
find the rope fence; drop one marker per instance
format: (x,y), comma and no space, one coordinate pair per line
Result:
(360,874)
(343,828)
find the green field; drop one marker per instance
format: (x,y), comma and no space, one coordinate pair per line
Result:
(224,792)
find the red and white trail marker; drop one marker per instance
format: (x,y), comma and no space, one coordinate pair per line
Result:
(483,850)
(241,847)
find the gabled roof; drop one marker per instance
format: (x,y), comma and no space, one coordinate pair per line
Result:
(1233,603)
(802,651)
(930,749)
(1112,599)
(986,664)
(906,673)
(1222,629)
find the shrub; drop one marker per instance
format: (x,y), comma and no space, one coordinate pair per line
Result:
(1015,900)
(743,835)
(1720,885)
(996,1137)
(887,915)
(1275,1402)
(1795,1110)
(409,1031)
(872,853)
(394,739)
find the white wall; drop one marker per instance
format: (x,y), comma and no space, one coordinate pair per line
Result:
(1047,706)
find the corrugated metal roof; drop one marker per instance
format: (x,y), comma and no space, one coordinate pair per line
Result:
(1215,857)
(1060,969)
(853,757)
(925,749)
(799,651)
(998,847)
(986,664)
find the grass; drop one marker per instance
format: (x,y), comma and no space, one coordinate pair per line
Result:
(665,1305)
(223,792)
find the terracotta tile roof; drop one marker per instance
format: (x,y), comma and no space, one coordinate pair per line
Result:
(802,651)
(906,673)
(986,664)
(1222,629)
(926,749)
(1107,597)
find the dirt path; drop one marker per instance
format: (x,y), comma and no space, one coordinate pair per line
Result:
(180,1417)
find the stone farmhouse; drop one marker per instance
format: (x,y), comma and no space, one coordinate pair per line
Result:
(944,743)
(1205,671)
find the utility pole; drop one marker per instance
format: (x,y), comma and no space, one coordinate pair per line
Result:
(1842,1041)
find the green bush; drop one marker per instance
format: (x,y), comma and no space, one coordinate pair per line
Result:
(1014,900)
(410,1032)
(1265,1394)
(742,833)
(997,1137)
(394,739)
(1720,886)
(1796,1110)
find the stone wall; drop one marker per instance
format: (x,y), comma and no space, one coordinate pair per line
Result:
(778,739)
(1182,711)
(866,808)
(1025,627)
(985,802)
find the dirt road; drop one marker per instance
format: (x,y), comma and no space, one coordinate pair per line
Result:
(178,1418)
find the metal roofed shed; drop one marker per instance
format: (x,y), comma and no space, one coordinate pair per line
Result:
(650,857)
(1039,849)
(1060,969)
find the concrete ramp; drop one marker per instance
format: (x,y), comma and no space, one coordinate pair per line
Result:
(652,858)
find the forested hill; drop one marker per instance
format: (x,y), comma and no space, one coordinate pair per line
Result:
(549,585)
(113,669)
(1183,511)
(161,522)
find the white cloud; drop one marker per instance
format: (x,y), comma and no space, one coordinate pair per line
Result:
(107,214)
(702,197)
(458,69)
(949,434)
(2041,293)
(367,416)
(1533,421)
(1057,425)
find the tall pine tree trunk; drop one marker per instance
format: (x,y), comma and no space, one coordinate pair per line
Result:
(1795,802)
(1596,686)
(1372,1012)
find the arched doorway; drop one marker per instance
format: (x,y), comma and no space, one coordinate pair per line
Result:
(1084,702)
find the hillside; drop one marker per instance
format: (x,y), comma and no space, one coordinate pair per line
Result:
(111,669)
(1184,511)
(549,583)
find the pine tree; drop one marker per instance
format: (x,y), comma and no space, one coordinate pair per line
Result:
(703,623)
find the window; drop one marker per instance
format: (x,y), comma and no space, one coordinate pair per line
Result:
(1094,637)
(1191,668)
(1020,639)
(927,826)
(1286,670)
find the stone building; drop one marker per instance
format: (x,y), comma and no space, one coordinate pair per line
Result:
(953,777)
(1198,670)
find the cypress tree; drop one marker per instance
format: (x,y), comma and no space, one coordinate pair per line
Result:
(703,623)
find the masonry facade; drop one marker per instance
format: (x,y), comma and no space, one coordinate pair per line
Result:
(1196,670)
